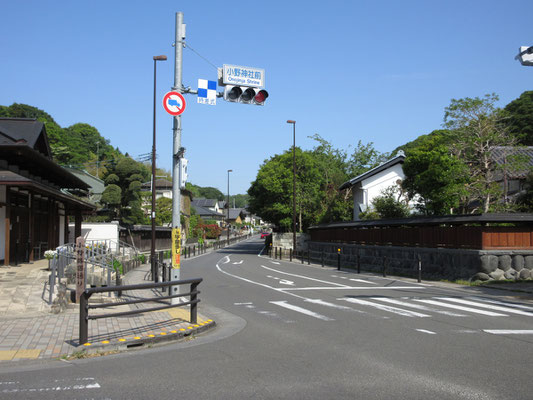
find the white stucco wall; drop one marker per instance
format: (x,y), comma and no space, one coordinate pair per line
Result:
(373,186)
(95,231)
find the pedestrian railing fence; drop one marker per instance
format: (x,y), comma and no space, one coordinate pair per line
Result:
(85,306)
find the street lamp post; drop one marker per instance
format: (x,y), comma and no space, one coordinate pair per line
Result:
(152,250)
(227,220)
(293,183)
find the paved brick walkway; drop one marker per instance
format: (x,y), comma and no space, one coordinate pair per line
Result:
(29,331)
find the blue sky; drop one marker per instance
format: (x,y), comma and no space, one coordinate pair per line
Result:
(375,71)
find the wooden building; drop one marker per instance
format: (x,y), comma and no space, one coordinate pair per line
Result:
(35,203)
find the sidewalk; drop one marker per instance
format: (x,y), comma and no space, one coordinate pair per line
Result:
(29,331)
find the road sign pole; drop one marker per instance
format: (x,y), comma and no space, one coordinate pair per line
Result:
(176,151)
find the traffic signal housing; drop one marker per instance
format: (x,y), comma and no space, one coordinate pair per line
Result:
(245,95)
(526,55)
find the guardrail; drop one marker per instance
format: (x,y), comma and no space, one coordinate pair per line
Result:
(85,306)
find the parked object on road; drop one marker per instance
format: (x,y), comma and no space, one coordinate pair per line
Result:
(264,234)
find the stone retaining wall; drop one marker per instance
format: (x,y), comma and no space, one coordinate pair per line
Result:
(437,263)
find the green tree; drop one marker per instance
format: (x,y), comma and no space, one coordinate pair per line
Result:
(434,177)
(112,198)
(390,204)
(364,158)
(520,118)
(478,126)
(163,207)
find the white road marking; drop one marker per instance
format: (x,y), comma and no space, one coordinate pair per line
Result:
(417,306)
(363,281)
(275,262)
(238,262)
(286,282)
(304,277)
(301,310)
(426,331)
(395,310)
(243,304)
(333,305)
(484,305)
(357,288)
(469,309)
(500,303)
(56,386)
(509,331)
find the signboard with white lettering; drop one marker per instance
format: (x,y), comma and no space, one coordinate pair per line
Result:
(243,76)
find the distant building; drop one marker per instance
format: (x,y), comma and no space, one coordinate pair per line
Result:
(366,187)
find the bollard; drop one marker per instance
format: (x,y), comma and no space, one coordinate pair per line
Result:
(280,253)
(194,250)
(270,250)
(308,257)
(385,266)
(290,254)
(302,256)
(275,253)
(338,259)
(322,258)
(358,262)
(419,268)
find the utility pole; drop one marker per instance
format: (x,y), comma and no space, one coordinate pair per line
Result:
(177,151)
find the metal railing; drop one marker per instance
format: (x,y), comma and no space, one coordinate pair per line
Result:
(106,256)
(85,306)
(339,259)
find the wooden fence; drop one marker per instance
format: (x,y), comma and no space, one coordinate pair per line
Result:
(470,232)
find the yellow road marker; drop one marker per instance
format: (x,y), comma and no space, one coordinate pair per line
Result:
(105,341)
(173,331)
(7,354)
(28,353)
(86,344)
(163,333)
(137,337)
(151,335)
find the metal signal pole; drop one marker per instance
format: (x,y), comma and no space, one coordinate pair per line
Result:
(177,152)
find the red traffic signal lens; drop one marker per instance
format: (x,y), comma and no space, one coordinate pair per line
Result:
(261,96)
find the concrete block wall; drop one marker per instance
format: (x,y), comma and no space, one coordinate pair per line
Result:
(437,263)
(284,240)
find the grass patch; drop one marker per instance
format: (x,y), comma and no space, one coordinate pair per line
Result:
(464,282)
(79,355)
(483,283)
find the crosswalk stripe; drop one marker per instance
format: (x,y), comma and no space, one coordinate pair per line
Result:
(301,310)
(363,281)
(417,306)
(394,310)
(332,305)
(484,305)
(457,307)
(500,303)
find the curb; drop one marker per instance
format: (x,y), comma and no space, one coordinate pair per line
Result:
(145,340)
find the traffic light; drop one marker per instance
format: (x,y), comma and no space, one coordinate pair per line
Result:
(245,95)
(526,55)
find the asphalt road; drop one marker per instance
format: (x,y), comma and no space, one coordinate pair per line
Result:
(292,331)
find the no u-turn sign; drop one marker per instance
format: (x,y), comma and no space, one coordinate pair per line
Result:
(174,103)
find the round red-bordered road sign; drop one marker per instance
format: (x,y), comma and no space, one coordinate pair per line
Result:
(174,103)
